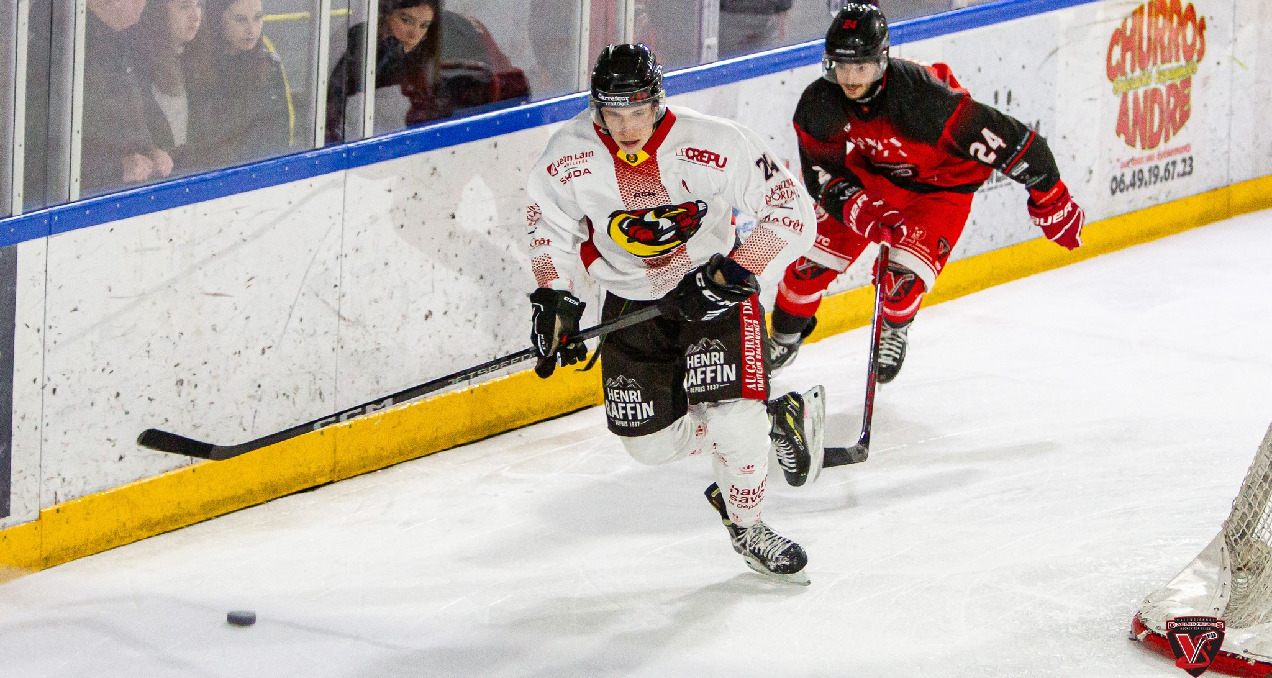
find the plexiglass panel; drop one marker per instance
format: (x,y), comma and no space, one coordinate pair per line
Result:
(8,25)
(436,60)
(173,87)
(748,26)
(673,28)
(50,52)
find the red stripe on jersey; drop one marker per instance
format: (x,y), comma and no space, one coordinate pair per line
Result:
(754,378)
(759,249)
(588,251)
(1021,154)
(641,186)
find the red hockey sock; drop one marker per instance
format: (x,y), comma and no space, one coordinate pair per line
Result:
(902,293)
(802,287)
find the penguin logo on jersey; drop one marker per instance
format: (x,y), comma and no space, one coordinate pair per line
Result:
(658,230)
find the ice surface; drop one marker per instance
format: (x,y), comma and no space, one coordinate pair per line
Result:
(1054,450)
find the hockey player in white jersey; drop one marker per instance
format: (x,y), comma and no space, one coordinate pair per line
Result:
(640,196)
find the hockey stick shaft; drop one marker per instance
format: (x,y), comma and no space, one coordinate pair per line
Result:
(838,456)
(164,441)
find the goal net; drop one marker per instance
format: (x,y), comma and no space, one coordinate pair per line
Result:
(1231,580)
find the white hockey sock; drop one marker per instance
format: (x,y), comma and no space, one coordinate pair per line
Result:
(739,430)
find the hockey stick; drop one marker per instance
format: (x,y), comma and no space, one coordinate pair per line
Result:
(839,456)
(164,441)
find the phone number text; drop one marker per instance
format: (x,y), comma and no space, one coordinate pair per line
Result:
(1151,175)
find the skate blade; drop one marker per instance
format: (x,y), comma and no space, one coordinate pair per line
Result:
(814,423)
(796,578)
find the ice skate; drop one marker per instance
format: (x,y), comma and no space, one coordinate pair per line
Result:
(892,343)
(764,550)
(796,433)
(782,348)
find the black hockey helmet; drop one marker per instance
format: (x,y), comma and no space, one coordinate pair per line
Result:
(857,35)
(627,75)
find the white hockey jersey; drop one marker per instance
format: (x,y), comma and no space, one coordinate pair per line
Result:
(638,223)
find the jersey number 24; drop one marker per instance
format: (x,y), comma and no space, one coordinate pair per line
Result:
(983,152)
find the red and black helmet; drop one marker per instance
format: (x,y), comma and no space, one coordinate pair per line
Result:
(857,35)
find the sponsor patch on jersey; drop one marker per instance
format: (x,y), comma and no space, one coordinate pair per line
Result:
(573,173)
(657,230)
(534,214)
(566,162)
(881,150)
(782,194)
(790,224)
(626,403)
(708,368)
(703,157)
(899,170)
(943,248)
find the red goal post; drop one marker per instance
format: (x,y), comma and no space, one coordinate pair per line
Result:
(1231,579)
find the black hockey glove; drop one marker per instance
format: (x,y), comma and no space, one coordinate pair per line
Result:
(555,316)
(860,211)
(701,296)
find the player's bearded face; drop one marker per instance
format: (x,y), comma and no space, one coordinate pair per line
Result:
(630,126)
(856,79)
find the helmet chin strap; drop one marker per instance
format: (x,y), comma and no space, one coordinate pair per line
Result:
(871,93)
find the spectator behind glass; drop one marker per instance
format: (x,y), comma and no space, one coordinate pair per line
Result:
(237,88)
(470,71)
(748,26)
(475,72)
(161,37)
(117,147)
(407,54)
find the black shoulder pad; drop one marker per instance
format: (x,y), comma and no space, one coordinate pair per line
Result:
(820,112)
(917,103)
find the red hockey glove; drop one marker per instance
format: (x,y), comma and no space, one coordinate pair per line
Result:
(865,214)
(1060,218)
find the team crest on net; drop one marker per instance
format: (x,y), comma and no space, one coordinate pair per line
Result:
(1195,642)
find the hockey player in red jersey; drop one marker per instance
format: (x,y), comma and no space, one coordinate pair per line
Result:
(893,144)
(640,196)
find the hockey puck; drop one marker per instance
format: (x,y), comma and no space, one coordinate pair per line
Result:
(241,617)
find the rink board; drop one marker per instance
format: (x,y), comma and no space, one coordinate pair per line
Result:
(238,316)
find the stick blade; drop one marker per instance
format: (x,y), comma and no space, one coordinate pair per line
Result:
(164,441)
(842,456)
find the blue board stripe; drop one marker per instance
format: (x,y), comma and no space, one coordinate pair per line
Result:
(443,134)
